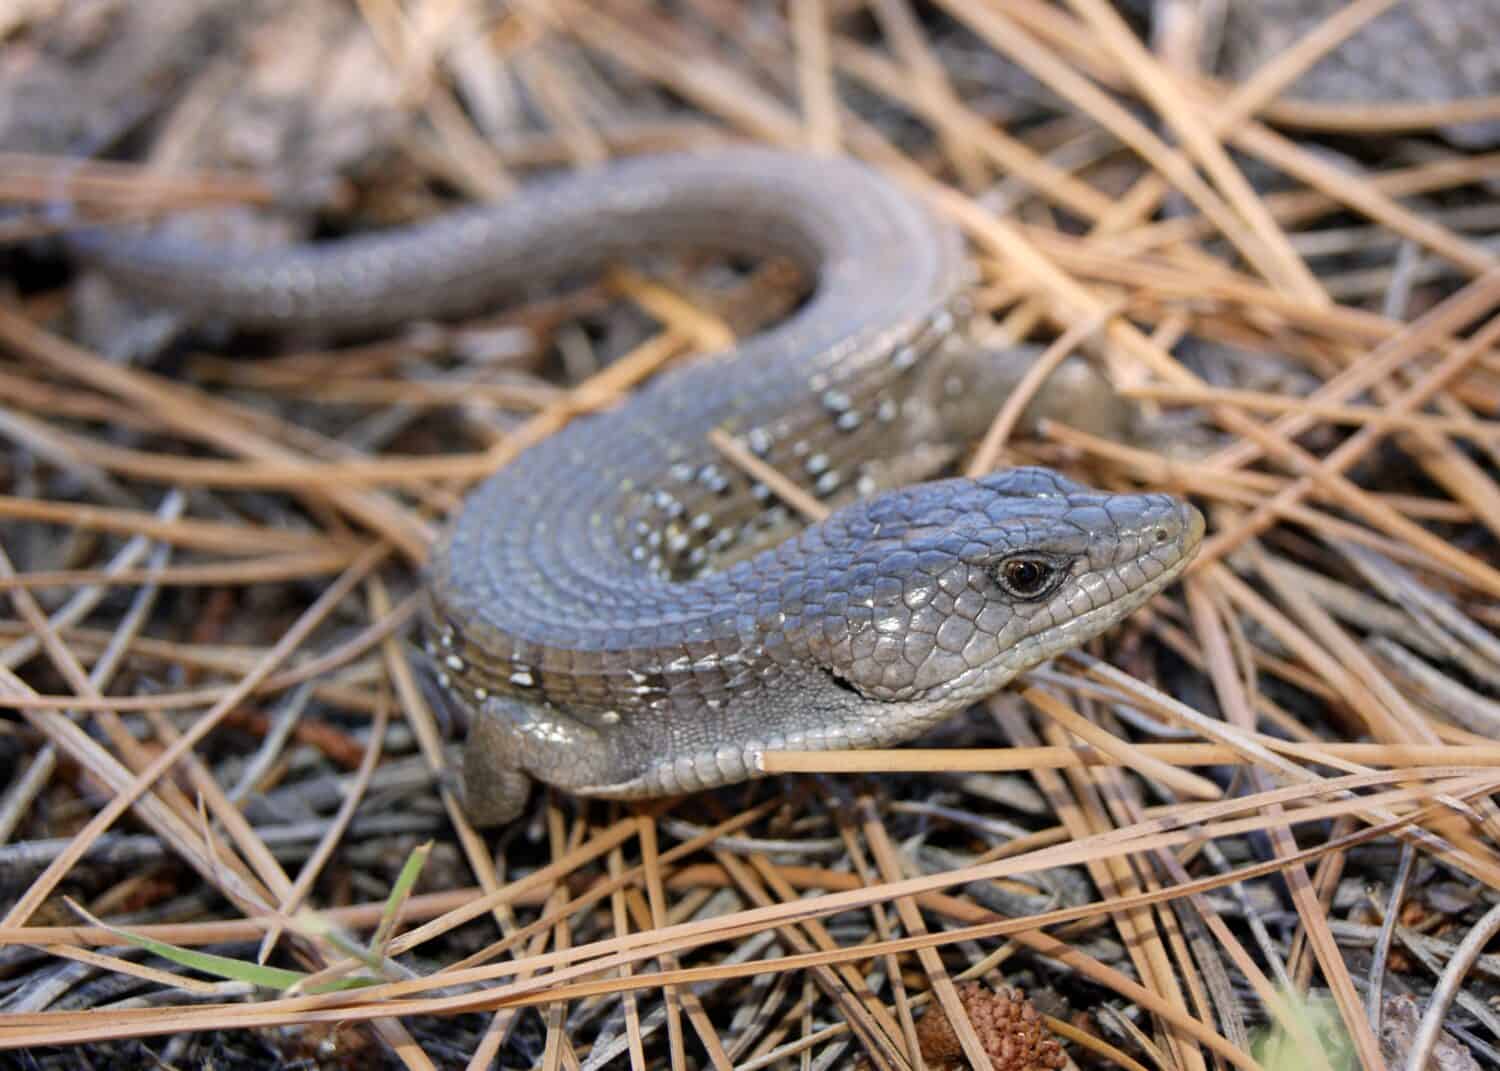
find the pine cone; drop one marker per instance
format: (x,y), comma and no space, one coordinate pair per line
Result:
(1008,1025)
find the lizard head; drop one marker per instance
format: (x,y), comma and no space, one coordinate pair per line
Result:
(950,589)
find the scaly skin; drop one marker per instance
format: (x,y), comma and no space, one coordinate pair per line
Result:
(621,611)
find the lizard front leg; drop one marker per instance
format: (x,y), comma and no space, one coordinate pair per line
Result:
(511,741)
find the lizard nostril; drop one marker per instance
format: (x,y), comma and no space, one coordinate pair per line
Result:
(1162,535)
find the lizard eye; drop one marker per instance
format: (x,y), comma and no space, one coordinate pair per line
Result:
(1027,577)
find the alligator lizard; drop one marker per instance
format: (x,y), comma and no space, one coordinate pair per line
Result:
(621,611)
